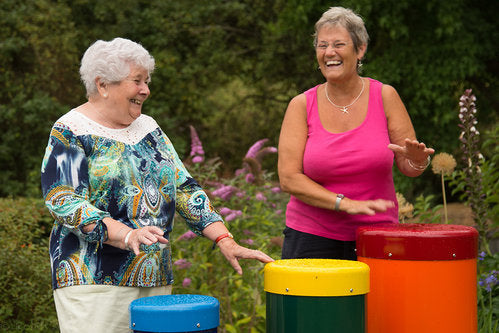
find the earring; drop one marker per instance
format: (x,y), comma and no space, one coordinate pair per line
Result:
(359,64)
(105,95)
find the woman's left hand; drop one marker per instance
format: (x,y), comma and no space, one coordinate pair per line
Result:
(233,252)
(147,236)
(413,150)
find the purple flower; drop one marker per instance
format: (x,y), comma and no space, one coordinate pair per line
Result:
(225,192)
(248,232)
(250,178)
(489,281)
(482,255)
(248,241)
(197,151)
(233,215)
(187,235)
(260,197)
(186,283)
(182,264)
(276,189)
(225,211)
(264,151)
(256,148)
(278,212)
(197,159)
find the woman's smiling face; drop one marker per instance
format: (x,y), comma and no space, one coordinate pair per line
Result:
(128,95)
(336,53)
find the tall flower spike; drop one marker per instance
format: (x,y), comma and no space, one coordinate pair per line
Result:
(472,158)
(256,148)
(197,152)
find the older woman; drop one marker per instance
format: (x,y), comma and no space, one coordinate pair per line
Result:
(113,181)
(337,145)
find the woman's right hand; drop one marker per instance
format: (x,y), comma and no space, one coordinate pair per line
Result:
(367,207)
(146,235)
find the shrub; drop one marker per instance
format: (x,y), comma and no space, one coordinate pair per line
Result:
(25,286)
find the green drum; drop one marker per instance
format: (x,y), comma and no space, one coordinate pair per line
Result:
(316,295)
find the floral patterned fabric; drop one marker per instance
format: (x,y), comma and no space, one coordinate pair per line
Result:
(132,175)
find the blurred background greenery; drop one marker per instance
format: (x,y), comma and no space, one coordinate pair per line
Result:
(229,68)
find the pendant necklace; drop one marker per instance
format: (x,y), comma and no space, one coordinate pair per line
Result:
(344,109)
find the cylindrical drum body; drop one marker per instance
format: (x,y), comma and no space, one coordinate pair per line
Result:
(175,313)
(316,295)
(423,277)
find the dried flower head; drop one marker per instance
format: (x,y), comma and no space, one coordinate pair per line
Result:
(405,208)
(443,163)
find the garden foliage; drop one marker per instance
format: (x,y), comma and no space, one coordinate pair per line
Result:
(230,68)
(253,208)
(25,287)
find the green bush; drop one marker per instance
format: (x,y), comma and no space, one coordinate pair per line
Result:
(25,285)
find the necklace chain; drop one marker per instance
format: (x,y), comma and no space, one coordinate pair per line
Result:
(344,109)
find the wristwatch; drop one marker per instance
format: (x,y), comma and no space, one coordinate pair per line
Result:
(339,196)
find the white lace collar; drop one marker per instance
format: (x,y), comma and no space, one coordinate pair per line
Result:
(80,124)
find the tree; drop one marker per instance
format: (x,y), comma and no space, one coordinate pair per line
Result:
(229,68)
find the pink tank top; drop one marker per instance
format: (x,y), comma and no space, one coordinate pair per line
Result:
(356,163)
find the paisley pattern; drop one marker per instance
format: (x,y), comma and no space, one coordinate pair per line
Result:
(132,175)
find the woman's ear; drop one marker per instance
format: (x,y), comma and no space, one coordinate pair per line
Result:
(362,51)
(101,87)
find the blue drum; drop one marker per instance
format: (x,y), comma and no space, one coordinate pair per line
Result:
(175,313)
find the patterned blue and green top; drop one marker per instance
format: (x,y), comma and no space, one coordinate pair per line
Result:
(134,176)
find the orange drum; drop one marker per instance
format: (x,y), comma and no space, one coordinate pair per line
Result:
(423,278)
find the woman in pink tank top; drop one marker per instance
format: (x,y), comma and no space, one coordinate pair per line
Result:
(337,146)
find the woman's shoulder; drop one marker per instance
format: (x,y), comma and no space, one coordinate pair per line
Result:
(79,124)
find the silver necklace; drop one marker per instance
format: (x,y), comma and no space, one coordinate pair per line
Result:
(344,109)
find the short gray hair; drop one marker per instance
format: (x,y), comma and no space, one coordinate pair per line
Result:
(110,61)
(347,19)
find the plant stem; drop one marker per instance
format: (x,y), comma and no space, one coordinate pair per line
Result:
(445,201)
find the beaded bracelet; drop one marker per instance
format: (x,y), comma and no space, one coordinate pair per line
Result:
(126,240)
(419,167)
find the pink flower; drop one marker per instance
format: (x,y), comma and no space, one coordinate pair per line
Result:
(186,283)
(224,192)
(187,235)
(182,264)
(276,189)
(278,212)
(250,178)
(248,241)
(248,232)
(233,215)
(260,197)
(197,159)
(256,148)
(197,151)
(225,211)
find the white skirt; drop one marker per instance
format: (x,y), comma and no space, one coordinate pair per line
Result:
(99,308)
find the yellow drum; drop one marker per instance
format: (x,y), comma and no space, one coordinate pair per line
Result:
(316,295)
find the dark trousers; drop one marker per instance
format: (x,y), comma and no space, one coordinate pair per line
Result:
(299,245)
